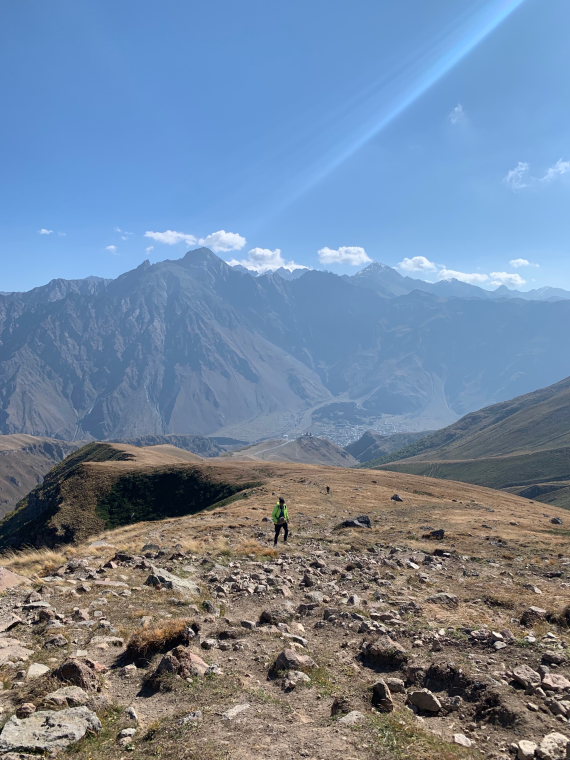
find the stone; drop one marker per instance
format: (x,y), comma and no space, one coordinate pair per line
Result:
(163,579)
(526,676)
(384,654)
(275,615)
(532,615)
(553,747)
(25,710)
(47,730)
(194,717)
(555,682)
(381,697)
(12,650)
(8,621)
(557,521)
(363,521)
(444,599)
(395,685)
(293,679)
(182,662)
(79,672)
(526,749)
(352,719)
(233,712)
(424,700)
(58,640)
(8,579)
(396,497)
(67,696)
(289,659)
(462,740)
(35,670)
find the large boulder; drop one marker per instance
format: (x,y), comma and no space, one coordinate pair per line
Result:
(384,654)
(289,659)
(79,672)
(363,521)
(553,747)
(381,697)
(424,700)
(275,615)
(161,578)
(47,730)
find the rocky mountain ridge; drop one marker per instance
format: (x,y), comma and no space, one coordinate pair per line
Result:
(191,346)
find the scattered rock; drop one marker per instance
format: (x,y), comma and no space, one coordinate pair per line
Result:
(8,579)
(352,719)
(233,712)
(396,497)
(557,521)
(47,730)
(444,599)
(462,740)
(532,615)
(356,522)
(384,654)
(526,750)
(79,672)
(160,578)
(275,615)
(424,700)
(67,696)
(526,676)
(340,706)
(12,650)
(289,659)
(381,697)
(36,670)
(553,747)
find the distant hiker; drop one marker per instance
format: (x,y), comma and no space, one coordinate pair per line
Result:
(328,489)
(281,520)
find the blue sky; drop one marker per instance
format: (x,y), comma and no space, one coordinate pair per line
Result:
(433,136)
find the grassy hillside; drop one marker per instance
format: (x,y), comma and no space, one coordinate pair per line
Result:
(307,449)
(372,445)
(521,445)
(24,460)
(106,485)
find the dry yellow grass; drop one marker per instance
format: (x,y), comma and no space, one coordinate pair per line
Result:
(149,641)
(34,563)
(253,547)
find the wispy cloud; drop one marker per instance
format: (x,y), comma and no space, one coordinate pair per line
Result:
(457,115)
(111,248)
(417,264)
(171,237)
(123,233)
(518,178)
(45,231)
(149,249)
(262,260)
(473,278)
(347,254)
(510,279)
(519,263)
(559,169)
(219,242)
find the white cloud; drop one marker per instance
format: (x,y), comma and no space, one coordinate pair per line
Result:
(510,279)
(123,233)
(149,249)
(222,241)
(518,263)
(473,278)
(171,237)
(111,248)
(45,231)
(518,178)
(262,260)
(559,169)
(417,264)
(457,115)
(346,254)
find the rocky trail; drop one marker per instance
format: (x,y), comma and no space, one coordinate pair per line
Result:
(193,638)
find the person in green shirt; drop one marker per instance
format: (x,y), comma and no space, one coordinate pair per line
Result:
(281,520)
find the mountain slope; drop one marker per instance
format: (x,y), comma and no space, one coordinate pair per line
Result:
(24,460)
(522,445)
(192,346)
(373,445)
(307,449)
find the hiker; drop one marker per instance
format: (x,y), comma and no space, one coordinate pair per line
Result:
(281,520)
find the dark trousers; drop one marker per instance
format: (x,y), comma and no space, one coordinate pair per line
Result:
(278,527)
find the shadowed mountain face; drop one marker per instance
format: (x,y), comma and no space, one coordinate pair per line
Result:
(194,346)
(522,445)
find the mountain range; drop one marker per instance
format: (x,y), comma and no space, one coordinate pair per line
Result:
(194,346)
(522,446)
